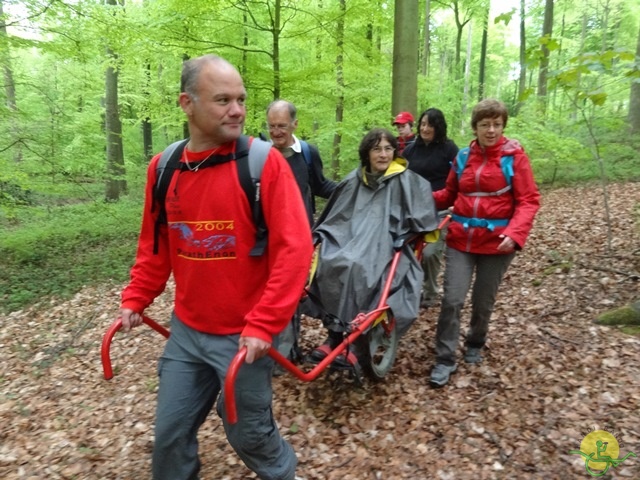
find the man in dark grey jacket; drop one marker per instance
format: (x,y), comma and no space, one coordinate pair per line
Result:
(306,165)
(282,122)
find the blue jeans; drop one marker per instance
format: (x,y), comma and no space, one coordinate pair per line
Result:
(192,370)
(458,273)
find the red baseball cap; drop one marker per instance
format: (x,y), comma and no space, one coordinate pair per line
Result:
(402,118)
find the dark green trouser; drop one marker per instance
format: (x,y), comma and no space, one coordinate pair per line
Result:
(192,370)
(459,270)
(431,262)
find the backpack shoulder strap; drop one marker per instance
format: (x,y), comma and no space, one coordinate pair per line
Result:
(250,163)
(242,164)
(168,163)
(506,163)
(258,153)
(461,160)
(306,152)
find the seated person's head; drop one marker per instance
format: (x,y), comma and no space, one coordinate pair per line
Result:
(377,150)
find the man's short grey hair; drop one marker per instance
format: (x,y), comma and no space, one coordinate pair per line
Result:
(191,70)
(293,112)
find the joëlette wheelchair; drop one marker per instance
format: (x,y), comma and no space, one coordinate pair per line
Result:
(372,336)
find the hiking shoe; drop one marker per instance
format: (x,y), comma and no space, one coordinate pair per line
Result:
(441,373)
(347,360)
(426,304)
(320,353)
(472,355)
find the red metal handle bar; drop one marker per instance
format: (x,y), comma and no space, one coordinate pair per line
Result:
(229,386)
(387,284)
(238,360)
(108,337)
(446,219)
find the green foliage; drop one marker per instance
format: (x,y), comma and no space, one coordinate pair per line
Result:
(59,76)
(70,247)
(505,17)
(552,152)
(60,72)
(561,151)
(611,63)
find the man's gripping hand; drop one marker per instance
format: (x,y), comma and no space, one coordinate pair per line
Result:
(256,348)
(130,319)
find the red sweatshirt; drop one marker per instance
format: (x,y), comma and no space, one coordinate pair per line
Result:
(483,173)
(219,288)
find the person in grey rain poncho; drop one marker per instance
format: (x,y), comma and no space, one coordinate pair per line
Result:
(373,206)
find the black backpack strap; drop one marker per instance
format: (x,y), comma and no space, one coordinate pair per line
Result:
(250,162)
(168,163)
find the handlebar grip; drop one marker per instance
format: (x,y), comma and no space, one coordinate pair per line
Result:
(105,353)
(229,385)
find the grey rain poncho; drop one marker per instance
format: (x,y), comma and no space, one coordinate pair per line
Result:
(357,230)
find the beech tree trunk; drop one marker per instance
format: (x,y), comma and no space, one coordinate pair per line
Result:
(147,131)
(467,82)
(547,30)
(483,54)
(426,53)
(522,81)
(404,96)
(115,183)
(634,99)
(9,85)
(337,137)
(276,29)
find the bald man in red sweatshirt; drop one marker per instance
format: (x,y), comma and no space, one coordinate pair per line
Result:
(225,299)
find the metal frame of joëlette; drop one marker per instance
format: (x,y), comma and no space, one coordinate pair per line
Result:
(358,326)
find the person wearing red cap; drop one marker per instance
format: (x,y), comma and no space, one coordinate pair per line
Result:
(404,124)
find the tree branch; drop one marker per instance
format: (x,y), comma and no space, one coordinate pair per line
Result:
(28,17)
(4,149)
(633,276)
(557,337)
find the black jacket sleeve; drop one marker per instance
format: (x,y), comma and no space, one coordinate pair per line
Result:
(320,185)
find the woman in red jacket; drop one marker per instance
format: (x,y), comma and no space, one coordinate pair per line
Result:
(494,198)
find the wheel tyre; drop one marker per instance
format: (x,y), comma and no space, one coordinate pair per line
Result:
(377,351)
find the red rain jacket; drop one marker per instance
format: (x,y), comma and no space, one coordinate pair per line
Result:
(483,173)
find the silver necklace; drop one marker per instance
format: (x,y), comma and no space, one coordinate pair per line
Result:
(195,169)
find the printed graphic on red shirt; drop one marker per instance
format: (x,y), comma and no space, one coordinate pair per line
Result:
(205,240)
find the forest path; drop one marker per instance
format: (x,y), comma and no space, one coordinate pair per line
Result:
(550,376)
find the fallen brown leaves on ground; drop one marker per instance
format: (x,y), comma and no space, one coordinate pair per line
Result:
(549,377)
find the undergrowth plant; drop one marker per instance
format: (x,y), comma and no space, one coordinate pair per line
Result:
(58,254)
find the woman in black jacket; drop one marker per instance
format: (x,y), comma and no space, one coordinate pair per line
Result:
(430,156)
